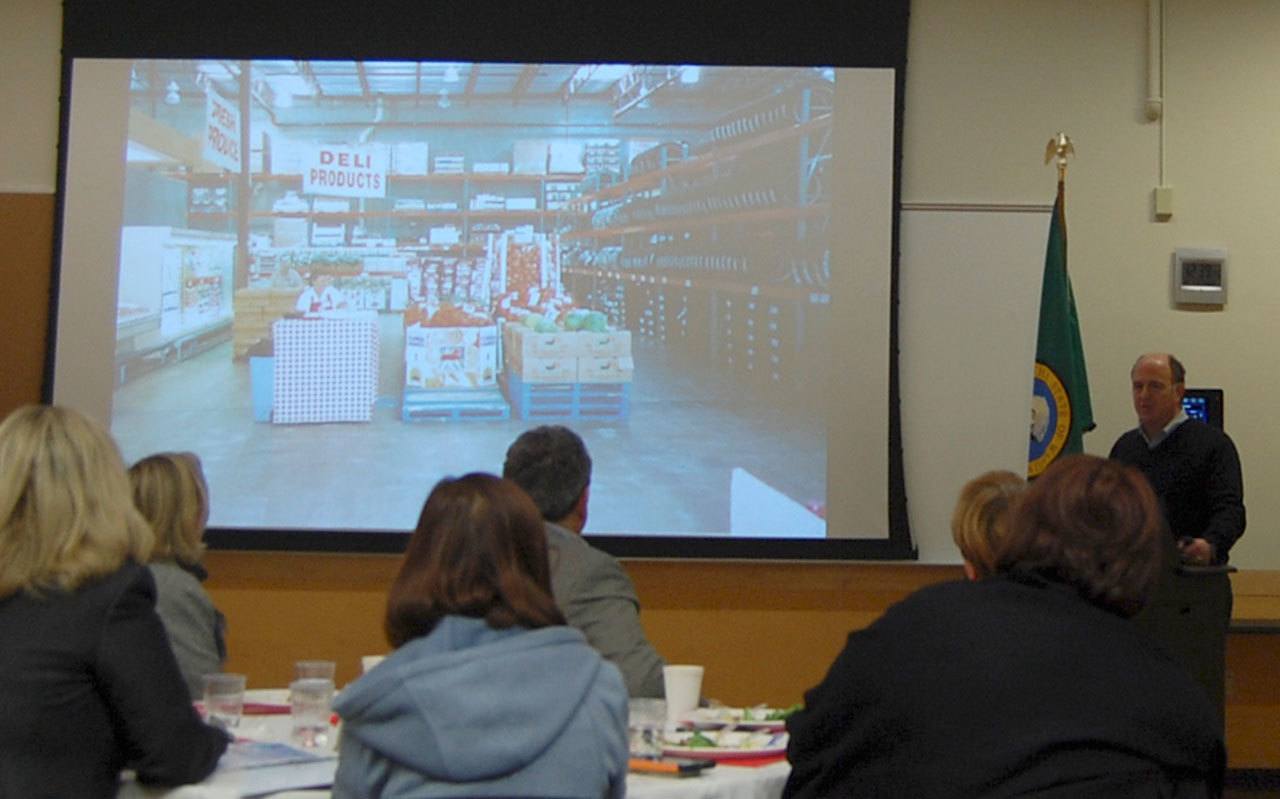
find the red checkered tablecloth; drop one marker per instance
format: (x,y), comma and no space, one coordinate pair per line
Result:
(326,370)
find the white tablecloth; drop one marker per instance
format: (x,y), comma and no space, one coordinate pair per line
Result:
(724,781)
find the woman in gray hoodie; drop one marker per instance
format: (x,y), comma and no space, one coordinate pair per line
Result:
(488,693)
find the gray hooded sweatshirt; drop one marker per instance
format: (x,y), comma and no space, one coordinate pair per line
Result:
(472,711)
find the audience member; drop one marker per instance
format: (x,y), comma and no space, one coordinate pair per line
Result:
(981,519)
(88,684)
(1032,682)
(488,693)
(169,490)
(552,465)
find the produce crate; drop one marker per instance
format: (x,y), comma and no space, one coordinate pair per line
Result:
(454,405)
(534,401)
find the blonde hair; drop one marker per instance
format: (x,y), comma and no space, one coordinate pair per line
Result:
(170,492)
(980,520)
(65,514)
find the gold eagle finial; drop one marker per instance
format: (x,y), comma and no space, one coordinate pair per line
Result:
(1059,147)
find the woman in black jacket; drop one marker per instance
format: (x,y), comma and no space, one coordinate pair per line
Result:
(88,684)
(1031,681)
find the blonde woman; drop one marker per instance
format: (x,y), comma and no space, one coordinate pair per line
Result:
(88,685)
(980,520)
(169,490)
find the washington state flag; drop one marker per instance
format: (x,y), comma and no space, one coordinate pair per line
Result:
(1061,412)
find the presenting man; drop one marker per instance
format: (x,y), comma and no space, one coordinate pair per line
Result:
(1195,471)
(552,465)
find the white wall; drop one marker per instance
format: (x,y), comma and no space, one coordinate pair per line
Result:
(988,82)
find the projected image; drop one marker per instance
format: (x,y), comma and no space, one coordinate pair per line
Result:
(338,282)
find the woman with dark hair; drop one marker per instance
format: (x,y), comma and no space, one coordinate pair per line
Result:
(487,693)
(1030,682)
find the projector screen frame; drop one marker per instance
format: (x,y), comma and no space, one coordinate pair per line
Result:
(185,29)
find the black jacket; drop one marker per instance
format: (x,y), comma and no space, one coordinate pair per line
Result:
(1004,687)
(89,686)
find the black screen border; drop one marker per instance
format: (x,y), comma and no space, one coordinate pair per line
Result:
(849,33)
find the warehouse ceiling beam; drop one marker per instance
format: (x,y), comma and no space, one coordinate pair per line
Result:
(527,75)
(363,75)
(473,78)
(638,85)
(309,75)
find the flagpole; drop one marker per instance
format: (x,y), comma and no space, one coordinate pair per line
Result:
(1061,410)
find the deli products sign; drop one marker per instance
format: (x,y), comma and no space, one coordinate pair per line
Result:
(221,132)
(342,171)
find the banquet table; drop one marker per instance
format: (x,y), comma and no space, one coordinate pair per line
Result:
(724,781)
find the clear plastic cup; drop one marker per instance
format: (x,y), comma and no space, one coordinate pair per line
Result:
(224,699)
(645,723)
(311,702)
(314,670)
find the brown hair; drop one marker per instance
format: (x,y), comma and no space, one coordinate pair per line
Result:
(65,514)
(981,517)
(479,550)
(170,492)
(1091,523)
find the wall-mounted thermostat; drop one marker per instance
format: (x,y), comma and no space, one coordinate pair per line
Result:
(1199,276)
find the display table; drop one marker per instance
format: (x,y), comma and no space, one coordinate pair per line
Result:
(326,368)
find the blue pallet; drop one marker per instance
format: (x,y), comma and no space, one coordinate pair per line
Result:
(551,401)
(461,405)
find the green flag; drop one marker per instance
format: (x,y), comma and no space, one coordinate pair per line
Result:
(1061,412)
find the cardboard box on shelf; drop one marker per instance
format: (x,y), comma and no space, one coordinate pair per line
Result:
(410,158)
(614,343)
(449,164)
(608,369)
(520,340)
(444,235)
(450,357)
(529,156)
(563,369)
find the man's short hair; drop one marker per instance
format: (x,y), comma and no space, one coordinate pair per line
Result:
(1176,371)
(552,465)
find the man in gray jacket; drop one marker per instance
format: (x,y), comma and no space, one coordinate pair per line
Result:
(552,465)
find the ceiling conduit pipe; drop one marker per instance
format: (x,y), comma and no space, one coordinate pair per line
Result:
(1155,57)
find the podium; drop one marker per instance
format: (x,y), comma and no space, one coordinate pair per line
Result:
(1188,615)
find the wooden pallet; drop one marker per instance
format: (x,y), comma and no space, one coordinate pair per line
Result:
(454,405)
(551,401)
